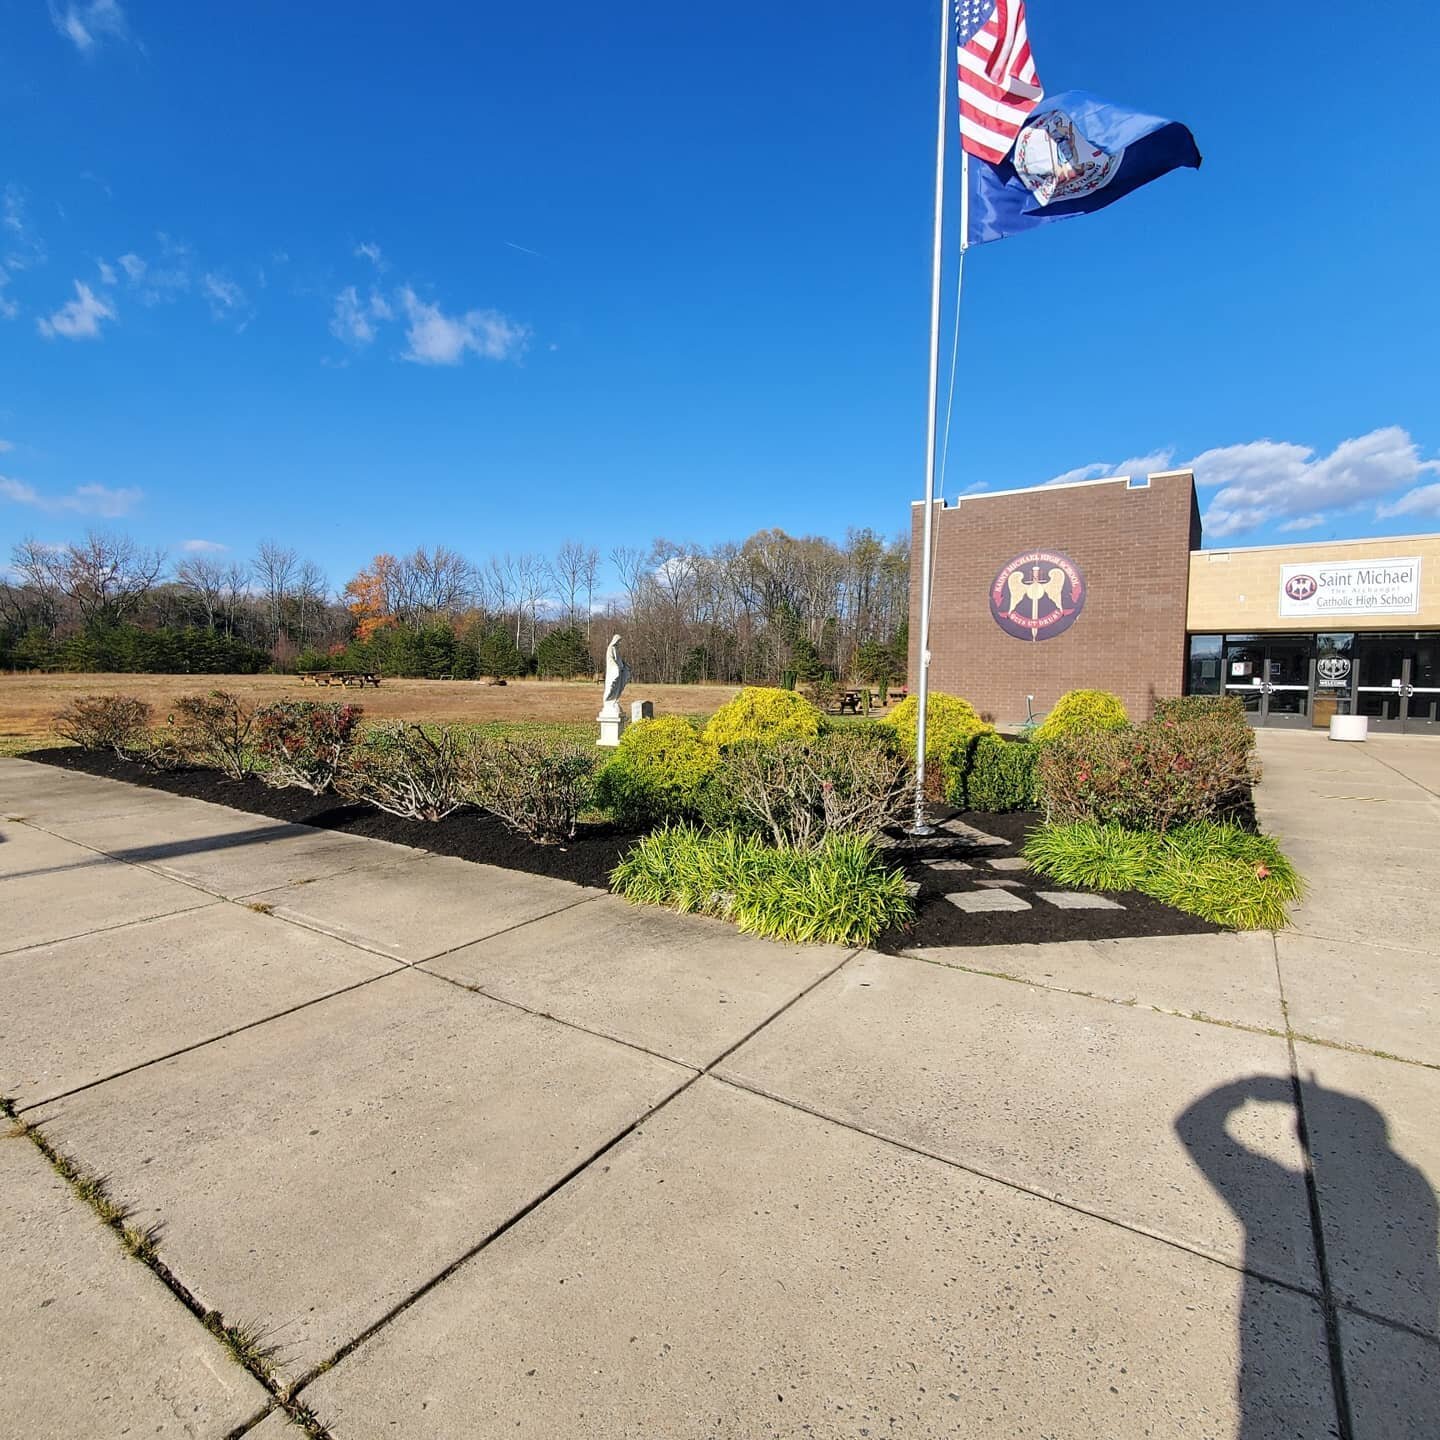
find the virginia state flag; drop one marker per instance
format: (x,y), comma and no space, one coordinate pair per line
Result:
(1076,153)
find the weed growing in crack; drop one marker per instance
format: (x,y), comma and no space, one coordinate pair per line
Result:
(247,1345)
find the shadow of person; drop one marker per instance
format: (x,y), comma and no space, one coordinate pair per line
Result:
(1378,1217)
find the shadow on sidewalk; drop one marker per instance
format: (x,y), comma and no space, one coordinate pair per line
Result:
(1380,1224)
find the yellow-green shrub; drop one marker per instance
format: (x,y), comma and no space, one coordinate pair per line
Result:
(759,712)
(657,773)
(1079,711)
(950,725)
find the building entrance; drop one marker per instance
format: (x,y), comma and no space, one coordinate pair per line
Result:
(1398,683)
(1271,675)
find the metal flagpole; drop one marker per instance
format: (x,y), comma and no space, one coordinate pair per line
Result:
(921,826)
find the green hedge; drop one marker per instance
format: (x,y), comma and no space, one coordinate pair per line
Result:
(658,773)
(1082,712)
(994,774)
(127,649)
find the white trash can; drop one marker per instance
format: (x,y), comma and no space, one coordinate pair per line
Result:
(1349,727)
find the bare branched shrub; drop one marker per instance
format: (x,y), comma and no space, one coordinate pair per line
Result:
(305,743)
(105,722)
(215,730)
(538,788)
(799,791)
(418,772)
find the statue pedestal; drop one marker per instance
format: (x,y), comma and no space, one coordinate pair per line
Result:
(612,725)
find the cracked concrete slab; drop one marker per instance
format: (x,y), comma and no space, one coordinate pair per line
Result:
(682,985)
(313,1172)
(423,907)
(1073,1097)
(1370,996)
(737,1268)
(1376,1148)
(1227,977)
(78,1010)
(94,1343)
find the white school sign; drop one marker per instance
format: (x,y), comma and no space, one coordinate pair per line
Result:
(1350,587)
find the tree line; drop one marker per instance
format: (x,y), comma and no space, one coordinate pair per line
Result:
(771,608)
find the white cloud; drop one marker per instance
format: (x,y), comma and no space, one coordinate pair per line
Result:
(224,295)
(1102,469)
(6,445)
(202,547)
(133,266)
(8,308)
(77,319)
(370,251)
(83,500)
(1303,522)
(88,25)
(439,339)
(23,247)
(107,273)
(1424,500)
(1270,480)
(353,320)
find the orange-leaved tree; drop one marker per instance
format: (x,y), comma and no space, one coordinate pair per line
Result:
(368,596)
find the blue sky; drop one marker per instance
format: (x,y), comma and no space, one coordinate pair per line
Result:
(369,276)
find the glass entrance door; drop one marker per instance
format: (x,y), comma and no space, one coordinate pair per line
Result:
(1271,676)
(1399,683)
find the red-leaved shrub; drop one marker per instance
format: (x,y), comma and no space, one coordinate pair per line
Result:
(1149,777)
(304,743)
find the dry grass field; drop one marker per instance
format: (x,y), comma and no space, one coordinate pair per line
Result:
(29,702)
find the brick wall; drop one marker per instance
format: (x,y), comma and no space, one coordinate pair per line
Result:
(1133,549)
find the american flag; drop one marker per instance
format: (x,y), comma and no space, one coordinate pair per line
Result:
(998,84)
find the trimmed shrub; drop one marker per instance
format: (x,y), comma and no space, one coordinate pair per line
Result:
(760,712)
(304,743)
(996,775)
(839,893)
(1148,777)
(417,772)
(106,722)
(658,773)
(1081,712)
(1220,872)
(1206,710)
(211,730)
(797,792)
(537,787)
(950,724)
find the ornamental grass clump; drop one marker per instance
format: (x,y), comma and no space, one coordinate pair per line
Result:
(1220,872)
(839,893)
(118,723)
(658,773)
(305,743)
(762,713)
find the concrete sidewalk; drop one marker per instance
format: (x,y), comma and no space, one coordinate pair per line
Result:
(486,1153)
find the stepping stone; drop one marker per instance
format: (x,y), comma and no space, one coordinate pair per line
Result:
(1001,884)
(912,888)
(1077,900)
(974,902)
(950,865)
(970,834)
(1009,862)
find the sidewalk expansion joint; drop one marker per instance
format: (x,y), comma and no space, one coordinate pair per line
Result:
(1338,1381)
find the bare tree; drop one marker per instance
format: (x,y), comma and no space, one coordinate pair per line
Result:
(105,577)
(204,578)
(568,575)
(274,570)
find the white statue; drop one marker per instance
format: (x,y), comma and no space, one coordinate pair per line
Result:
(617,676)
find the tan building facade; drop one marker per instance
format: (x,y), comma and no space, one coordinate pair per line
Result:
(1105,584)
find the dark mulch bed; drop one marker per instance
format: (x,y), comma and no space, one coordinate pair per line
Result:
(597,849)
(939,923)
(467,834)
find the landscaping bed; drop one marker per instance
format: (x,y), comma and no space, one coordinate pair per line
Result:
(468,834)
(939,922)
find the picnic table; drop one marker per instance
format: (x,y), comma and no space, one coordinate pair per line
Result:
(356,678)
(850,701)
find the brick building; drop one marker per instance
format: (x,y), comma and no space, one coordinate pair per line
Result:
(1104,584)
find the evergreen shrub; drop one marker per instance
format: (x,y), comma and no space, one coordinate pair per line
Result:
(950,725)
(995,775)
(761,712)
(1080,712)
(657,773)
